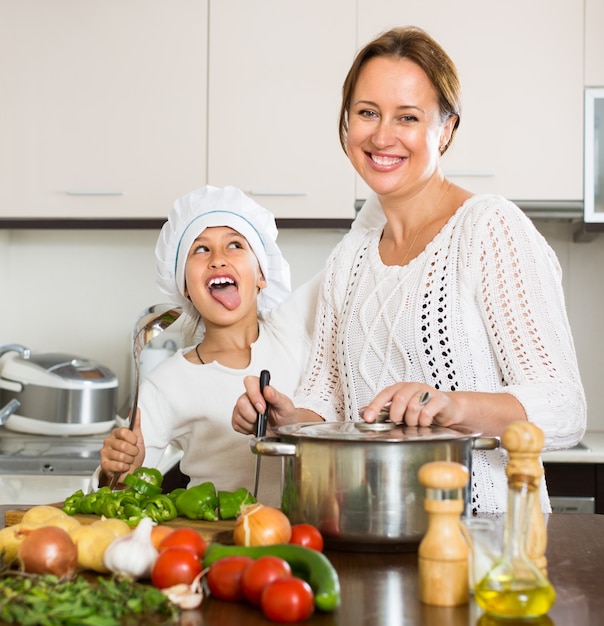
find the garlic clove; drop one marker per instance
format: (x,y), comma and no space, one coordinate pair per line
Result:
(184,596)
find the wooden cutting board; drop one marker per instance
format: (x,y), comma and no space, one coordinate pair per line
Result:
(220,531)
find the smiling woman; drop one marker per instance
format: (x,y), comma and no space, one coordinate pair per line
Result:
(437,301)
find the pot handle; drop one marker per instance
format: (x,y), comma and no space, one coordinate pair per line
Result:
(271,446)
(486,443)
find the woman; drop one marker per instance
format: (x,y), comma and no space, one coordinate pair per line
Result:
(453,312)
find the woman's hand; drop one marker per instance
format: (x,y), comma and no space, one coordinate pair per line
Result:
(415,404)
(281,409)
(124,450)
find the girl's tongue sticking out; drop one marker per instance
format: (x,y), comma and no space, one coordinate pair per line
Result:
(224,290)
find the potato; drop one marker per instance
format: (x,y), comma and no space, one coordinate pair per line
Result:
(92,543)
(117,526)
(40,514)
(11,538)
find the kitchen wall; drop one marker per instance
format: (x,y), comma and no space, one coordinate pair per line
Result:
(81,291)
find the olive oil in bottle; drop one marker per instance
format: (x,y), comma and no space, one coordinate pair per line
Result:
(515,587)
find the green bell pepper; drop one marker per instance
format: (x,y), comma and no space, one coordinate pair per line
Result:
(149,475)
(198,502)
(160,509)
(230,503)
(71,506)
(141,486)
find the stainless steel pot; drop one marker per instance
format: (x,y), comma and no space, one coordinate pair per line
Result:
(359,486)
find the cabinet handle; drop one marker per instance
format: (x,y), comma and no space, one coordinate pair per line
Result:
(470,174)
(277,193)
(94,192)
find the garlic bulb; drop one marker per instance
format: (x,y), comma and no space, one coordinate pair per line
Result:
(132,555)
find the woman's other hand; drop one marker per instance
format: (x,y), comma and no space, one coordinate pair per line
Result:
(415,404)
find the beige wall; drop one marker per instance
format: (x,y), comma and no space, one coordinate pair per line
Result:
(80,292)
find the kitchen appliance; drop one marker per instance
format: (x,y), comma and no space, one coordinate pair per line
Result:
(594,156)
(359,486)
(45,469)
(59,394)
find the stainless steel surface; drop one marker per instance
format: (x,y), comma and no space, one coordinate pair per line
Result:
(573,504)
(360,488)
(150,324)
(8,410)
(56,389)
(43,455)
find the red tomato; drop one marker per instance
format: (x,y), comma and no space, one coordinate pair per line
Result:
(260,573)
(308,536)
(288,600)
(174,566)
(185,538)
(224,577)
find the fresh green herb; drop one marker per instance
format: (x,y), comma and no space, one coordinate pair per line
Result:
(34,600)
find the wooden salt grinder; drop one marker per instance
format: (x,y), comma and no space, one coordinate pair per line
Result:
(524,442)
(443,551)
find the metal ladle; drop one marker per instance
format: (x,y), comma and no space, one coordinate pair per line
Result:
(151,323)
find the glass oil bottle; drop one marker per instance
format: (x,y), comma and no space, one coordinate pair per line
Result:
(515,587)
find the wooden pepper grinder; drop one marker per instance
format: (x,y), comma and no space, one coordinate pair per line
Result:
(524,442)
(443,551)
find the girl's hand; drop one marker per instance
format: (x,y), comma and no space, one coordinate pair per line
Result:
(281,409)
(123,450)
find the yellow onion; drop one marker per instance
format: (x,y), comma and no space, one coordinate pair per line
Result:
(49,550)
(260,525)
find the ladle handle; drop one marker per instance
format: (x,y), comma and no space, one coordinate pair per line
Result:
(116,476)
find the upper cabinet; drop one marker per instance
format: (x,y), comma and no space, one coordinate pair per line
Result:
(594,43)
(275,76)
(103,107)
(521,68)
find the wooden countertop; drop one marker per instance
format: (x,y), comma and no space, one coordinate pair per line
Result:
(382,589)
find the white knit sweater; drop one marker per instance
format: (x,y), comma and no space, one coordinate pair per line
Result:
(481,309)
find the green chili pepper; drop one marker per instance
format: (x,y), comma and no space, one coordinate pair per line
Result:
(230,503)
(161,509)
(149,475)
(198,502)
(71,506)
(142,486)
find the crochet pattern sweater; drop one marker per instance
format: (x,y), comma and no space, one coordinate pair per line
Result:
(480,309)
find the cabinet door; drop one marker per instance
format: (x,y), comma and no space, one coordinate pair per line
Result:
(276,70)
(103,106)
(594,43)
(521,67)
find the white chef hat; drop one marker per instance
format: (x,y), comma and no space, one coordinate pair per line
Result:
(220,206)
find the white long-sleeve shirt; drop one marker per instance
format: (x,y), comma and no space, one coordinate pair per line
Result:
(189,405)
(480,309)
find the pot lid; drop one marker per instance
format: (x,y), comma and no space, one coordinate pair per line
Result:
(359,430)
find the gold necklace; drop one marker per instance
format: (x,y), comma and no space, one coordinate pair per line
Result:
(419,230)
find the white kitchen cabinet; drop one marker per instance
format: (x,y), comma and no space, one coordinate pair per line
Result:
(594,43)
(103,107)
(521,67)
(275,76)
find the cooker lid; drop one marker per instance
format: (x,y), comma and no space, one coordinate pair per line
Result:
(359,430)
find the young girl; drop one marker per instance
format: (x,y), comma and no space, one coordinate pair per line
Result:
(217,257)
